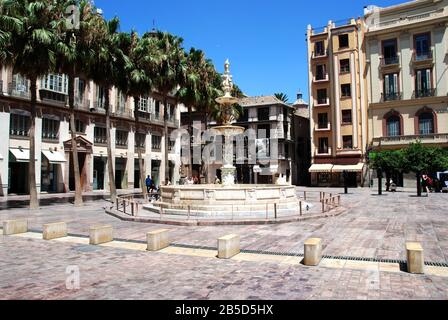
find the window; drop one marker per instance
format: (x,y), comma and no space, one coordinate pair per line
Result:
(171,145)
(390,52)
(100,97)
(391,87)
(56,83)
(346,90)
(323,146)
(19,125)
(264,131)
(121,101)
(345,66)
(100,135)
(343,41)
(346,116)
(245,116)
(423,46)
(347,142)
(143,104)
(79,125)
(157,110)
(171,111)
(80,87)
(322,120)
(156,142)
(322,96)
(321,73)
(140,140)
(263,114)
(423,85)
(50,129)
(121,138)
(20,83)
(393,126)
(319,49)
(426,123)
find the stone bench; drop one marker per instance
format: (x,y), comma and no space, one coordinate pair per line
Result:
(313,252)
(54,230)
(101,234)
(415,258)
(228,246)
(158,240)
(18,226)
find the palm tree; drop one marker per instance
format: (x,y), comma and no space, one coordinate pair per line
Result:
(195,87)
(143,60)
(171,73)
(282,97)
(106,69)
(27,43)
(74,50)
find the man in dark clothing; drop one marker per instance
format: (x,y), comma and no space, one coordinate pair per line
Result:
(148,184)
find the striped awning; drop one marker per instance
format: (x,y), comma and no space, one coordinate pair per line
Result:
(321,168)
(353,168)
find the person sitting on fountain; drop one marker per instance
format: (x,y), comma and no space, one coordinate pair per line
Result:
(217,181)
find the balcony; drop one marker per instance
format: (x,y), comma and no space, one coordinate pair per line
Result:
(53,98)
(319,54)
(390,97)
(423,59)
(390,64)
(320,78)
(323,152)
(18,90)
(124,113)
(98,106)
(348,152)
(322,127)
(426,93)
(81,103)
(322,102)
(399,141)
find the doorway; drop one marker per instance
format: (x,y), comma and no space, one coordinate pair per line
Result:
(18,178)
(82,161)
(120,173)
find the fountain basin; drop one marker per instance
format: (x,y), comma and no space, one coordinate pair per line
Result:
(229,130)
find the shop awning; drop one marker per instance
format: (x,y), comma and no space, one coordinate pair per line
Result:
(353,168)
(54,157)
(317,168)
(20,155)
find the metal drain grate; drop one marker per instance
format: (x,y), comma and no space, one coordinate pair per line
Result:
(273,253)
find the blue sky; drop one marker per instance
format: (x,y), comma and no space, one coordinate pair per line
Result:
(264,39)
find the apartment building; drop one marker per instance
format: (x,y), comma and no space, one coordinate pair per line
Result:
(406,72)
(337,103)
(54,164)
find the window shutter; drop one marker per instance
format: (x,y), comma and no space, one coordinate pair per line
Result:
(387,85)
(428,79)
(77,89)
(419,81)
(395,83)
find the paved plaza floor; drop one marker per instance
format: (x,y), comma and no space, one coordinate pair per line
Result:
(372,227)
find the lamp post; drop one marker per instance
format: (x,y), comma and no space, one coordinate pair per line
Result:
(345,175)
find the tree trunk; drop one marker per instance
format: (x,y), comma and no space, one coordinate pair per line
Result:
(71,103)
(165,132)
(419,184)
(139,149)
(34,201)
(110,167)
(190,133)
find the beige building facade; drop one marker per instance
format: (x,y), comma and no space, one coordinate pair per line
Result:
(406,72)
(337,103)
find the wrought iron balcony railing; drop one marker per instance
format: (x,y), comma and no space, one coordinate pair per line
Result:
(391,97)
(424,93)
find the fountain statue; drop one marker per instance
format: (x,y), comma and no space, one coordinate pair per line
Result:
(227,129)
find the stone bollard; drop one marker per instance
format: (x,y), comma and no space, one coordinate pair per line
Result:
(158,240)
(415,259)
(101,234)
(313,252)
(54,231)
(11,227)
(228,246)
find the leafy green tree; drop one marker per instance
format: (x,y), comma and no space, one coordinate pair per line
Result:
(388,161)
(422,159)
(27,43)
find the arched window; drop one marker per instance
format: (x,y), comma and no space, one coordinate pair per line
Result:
(426,123)
(393,126)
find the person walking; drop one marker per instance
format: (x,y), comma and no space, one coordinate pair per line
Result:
(148,184)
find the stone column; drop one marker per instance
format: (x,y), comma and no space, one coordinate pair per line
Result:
(337,98)
(354,100)
(4,152)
